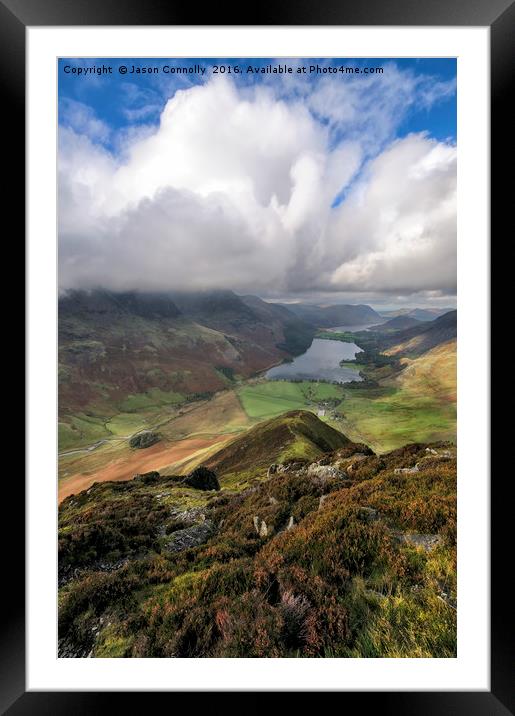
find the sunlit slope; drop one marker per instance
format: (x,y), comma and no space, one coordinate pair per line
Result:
(418,404)
(296,434)
(432,374)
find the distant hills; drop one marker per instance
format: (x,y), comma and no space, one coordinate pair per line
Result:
(112,345)
(421,314)
(330,316)
(419,339)
(399,323)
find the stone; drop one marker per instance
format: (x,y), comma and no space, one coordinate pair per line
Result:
(323,473)
(190,537)
(428,542)
(202,479)
(406,470)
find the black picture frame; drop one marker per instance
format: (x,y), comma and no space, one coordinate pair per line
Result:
(499,15)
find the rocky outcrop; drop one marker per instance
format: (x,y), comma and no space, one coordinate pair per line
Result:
(261,527)
(190,537)
(202,479)
(323,473)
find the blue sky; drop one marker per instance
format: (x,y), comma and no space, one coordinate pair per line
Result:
(125,101)
(301,184)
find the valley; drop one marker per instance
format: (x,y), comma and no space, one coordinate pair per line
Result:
(235,482)
(414,402)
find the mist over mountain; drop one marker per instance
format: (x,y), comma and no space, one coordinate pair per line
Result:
(114,344)
(329,316)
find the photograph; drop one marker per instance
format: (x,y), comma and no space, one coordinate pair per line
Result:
(257,346)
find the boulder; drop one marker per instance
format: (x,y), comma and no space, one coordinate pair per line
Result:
(190,537)
(406,470)
(324,473)
(202,479)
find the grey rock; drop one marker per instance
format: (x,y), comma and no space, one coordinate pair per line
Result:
(406,470)
(190,537)
(426,541)
(323,473)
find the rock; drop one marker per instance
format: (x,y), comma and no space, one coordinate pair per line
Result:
(202,479)
(189,517)
(406,470)
(190,537)
(291,523)
(144,440)
(428,542)
(323,473)
(323,498)
(260,526)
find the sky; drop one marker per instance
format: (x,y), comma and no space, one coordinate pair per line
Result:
(313,183)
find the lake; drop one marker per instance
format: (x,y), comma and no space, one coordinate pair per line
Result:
(320,362)
(356,329)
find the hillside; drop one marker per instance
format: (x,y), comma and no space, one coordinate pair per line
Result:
(124,351)
(431,375)
(341,555)
(421,338)
(329,316)
(295,434)
(399,323)
(421,314)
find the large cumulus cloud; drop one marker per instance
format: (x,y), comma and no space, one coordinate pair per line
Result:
(237,189)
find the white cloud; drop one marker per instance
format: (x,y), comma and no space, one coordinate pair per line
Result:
(235,189)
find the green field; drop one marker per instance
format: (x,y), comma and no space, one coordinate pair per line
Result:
(81,430)
(387,418)
(155,397)
(271,398)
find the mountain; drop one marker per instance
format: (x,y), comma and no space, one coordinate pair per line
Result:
(330,316)
(297,434)
(172,345)
(399,323)
(421,338)
(341,554)
(421,314)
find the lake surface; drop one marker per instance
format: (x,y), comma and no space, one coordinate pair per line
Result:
(320,362)
(356,329)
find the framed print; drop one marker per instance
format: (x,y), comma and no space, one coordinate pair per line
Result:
(258,353)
